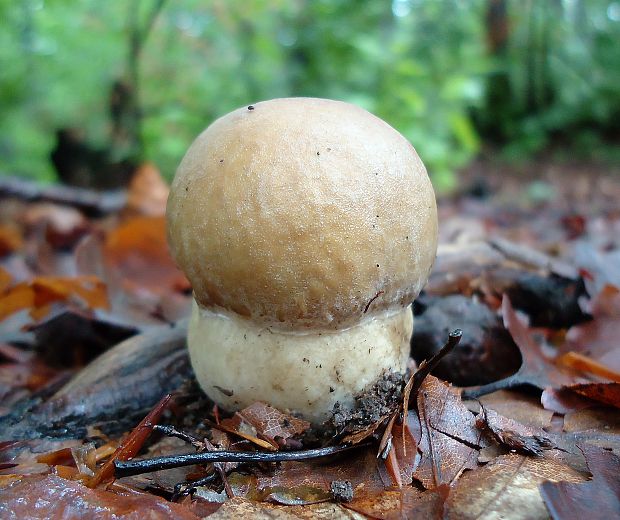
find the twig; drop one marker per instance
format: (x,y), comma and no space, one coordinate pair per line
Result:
(503,384)
(171,431)
(426,367)
(137,467)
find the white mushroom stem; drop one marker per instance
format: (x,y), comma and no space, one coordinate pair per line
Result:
(238,362)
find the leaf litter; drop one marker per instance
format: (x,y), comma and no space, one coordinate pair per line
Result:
(535,280)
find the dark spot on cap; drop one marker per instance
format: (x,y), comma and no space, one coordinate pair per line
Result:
(221,160)
(250,107)
(331,389)
(318,153)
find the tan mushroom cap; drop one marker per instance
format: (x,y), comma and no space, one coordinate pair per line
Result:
(303,213)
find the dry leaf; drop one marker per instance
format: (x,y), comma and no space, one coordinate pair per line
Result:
(449,441)
(507,487)
(597,498)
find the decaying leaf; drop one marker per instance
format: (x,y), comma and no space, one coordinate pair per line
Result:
(506,487)
(599,338)
(515,436)
(53,497)
(273,425)
(449,440)
(599,497)
(538,369)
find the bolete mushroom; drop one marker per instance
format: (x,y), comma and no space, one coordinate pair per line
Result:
(306,228)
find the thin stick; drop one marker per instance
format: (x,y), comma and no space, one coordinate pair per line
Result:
(137,467)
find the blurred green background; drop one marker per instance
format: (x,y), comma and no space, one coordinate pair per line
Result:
(138,80)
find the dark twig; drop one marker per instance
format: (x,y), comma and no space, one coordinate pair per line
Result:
(137,467)
(171,431)
(426,367)
(189,487)
(475,392)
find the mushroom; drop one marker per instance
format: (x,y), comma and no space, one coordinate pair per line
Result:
(306,228)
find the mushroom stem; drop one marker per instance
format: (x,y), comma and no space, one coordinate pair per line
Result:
(238,362)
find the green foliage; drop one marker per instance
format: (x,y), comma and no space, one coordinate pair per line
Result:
(422,65)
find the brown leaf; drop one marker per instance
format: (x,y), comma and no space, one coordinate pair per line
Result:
(450,440)
(600,418)
(599,497)
(598,337)
(523,408)
(273,425)
(243,508)
(305,481)
(514,435)
(147,192)
(562,401)
(138,251)
(608,393)
(407,502)
(506,487)
(52,497)
(537,369)
(10,239)
(38,294)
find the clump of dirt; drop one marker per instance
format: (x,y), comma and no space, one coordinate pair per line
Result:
(372,405)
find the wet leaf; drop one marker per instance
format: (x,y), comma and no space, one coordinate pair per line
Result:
(449,440)
(599,497)
(538,368)
(273,425)
(42,291)
(10,240)
(515,436)
(138,252)
(523,408)
(506,487)
(147,193)
(608,393)
(406,502)
(561,400)
(53,497)
(599,337)
(131,445)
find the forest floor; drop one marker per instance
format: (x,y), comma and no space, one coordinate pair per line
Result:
(520,420)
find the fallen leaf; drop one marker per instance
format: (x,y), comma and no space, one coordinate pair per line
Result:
(242,508)
(407,502)
(449,440)
(600,418)
(38,294)
(562,401)
(273,425)
(10,239)
(538,369)
(523,408)
(608,393)
(138,251)
(599,336)
(599,497)
(506,487)
(131,445)
(147,193)
(514,435)
(53,497)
